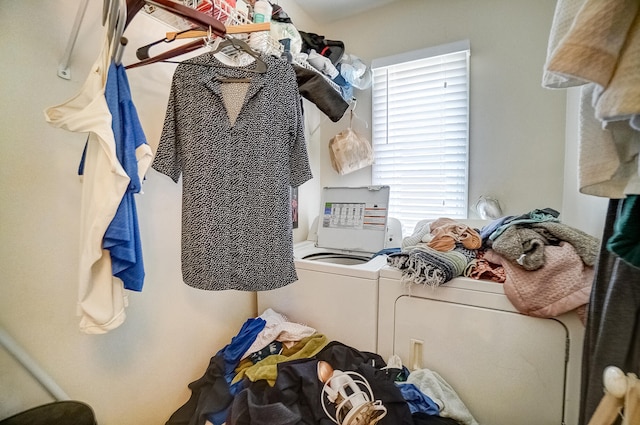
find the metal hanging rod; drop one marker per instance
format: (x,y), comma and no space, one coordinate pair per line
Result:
(63,67)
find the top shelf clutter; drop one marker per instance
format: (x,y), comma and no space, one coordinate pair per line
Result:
(219,9)
(236,15)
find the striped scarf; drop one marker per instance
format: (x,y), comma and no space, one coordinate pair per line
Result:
(424,265)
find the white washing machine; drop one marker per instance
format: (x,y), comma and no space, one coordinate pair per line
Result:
(337,287)
(506,367)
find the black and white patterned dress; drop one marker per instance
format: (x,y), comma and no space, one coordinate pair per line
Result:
(236,174)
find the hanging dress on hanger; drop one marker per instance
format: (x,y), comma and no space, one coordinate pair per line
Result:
(101,297)
(236,174)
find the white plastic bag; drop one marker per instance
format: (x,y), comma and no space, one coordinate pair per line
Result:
(349,151)
(356,72)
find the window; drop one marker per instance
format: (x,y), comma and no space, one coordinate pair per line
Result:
(420,138)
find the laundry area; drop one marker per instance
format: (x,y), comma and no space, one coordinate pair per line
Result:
(194,232)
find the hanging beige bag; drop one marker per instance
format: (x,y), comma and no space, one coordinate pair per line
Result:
(349,151)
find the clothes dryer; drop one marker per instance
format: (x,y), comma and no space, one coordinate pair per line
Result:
(506,367)
(337,266)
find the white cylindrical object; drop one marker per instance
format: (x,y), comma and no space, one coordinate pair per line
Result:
(262,11)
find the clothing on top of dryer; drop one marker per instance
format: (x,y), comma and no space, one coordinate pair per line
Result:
(525,244)
(446,233)
(437,251)
(236,177)
(531,292)
(482,269)
(532,254)
(425,265)
(533,216)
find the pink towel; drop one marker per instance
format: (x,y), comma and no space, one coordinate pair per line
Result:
(561,285)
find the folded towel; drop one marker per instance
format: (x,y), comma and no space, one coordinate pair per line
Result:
(591,49)
(565,13)
(561,285)
(620,100)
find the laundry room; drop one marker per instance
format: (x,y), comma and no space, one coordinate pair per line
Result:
(275,224)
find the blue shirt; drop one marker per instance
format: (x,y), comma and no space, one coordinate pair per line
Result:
(122,237)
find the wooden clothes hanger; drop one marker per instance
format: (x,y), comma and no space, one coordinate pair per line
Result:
(143,52)
(233,29)
(202,20)
(163,57)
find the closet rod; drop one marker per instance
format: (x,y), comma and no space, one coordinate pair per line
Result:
(63,67)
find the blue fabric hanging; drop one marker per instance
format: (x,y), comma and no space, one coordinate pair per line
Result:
(122,237)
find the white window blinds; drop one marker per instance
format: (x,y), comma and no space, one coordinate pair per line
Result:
(420,111)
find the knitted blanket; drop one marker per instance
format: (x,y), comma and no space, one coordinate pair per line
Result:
(525,244)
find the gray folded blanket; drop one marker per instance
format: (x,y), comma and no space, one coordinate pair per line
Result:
(524,243)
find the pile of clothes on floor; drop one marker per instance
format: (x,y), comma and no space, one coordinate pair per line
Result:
(269,375)
(546,266)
